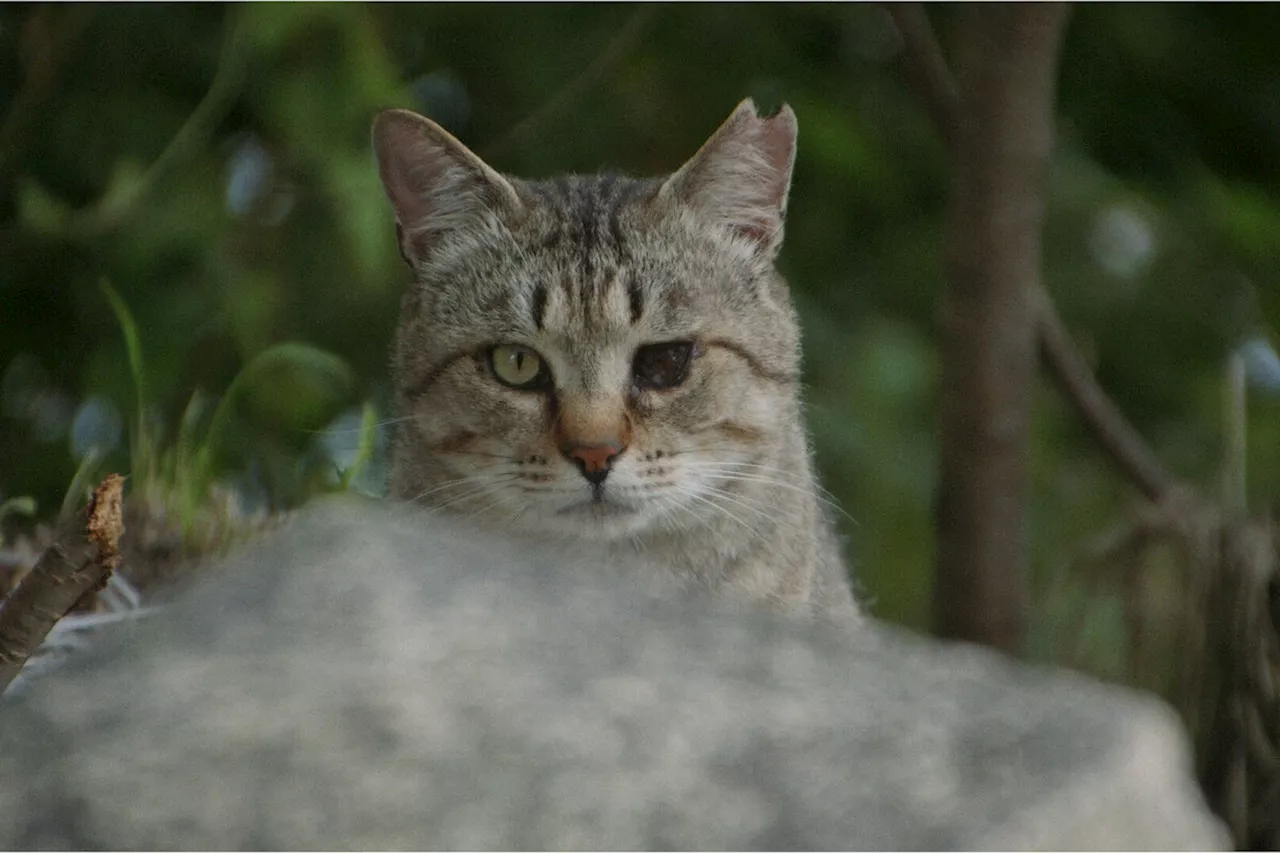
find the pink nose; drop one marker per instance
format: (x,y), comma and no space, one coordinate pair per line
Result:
(594,460)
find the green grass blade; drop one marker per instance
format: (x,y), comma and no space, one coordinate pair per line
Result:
(140,451)
(316,382)
(80,482)
(186,455)
(368,436)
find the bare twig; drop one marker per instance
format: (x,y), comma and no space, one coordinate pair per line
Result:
(79,562)
(612,53)
(1108,424)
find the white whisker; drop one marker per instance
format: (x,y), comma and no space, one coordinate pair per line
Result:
(752,507)
(453,484)
(501,501)
(730,471)
(718,508)
(376,424)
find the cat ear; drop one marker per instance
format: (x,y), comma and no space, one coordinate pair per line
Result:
(435,184)
(741,175)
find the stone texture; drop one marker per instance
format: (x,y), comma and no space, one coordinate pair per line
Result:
(367,678)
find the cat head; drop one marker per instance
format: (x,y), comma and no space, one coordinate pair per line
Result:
(593,356)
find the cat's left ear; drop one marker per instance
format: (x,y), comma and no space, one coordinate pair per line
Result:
(740,177)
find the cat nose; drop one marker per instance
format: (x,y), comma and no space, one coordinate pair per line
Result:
(594,460)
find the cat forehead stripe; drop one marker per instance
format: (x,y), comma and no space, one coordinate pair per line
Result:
(635,297)
(539,305)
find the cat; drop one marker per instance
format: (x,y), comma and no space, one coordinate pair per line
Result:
(613,362)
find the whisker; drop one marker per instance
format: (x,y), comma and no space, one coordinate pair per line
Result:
(722,510)
(515,516)
(760,478)
(449,484)
(752,507)
(803,477)
(673,509)
(729,471)
(376,424)
(479,485)
(772,469)
(458,500)
(480,489)
(501,500)
(481,454)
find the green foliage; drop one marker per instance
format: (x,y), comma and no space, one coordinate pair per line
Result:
(140,449)
(81,482)
(365,448)
(25,506)
(213,163)
(289,390)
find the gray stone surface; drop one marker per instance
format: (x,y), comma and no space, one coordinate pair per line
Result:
(370,679)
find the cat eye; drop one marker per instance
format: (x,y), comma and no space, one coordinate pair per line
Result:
(659,366)
(519,367)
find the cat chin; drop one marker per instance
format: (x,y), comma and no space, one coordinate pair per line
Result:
(599,520)
(587,520)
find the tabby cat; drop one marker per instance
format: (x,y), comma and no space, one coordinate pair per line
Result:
(612,361)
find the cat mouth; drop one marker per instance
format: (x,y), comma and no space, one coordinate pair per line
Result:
(596,506)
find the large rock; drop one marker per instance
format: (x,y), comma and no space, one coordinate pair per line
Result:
(369,679)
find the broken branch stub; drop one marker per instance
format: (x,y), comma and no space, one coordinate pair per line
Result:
(79,562)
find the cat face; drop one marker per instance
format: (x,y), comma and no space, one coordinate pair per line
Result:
(594,357)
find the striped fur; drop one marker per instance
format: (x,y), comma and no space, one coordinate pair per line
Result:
(714,481)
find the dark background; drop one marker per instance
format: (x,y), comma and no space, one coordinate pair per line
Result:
(212,164)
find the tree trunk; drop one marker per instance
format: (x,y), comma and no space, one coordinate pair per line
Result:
(1006,79)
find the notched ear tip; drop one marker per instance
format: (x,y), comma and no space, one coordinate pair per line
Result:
(741,177)
(777,129)
(778,136)
(785,117)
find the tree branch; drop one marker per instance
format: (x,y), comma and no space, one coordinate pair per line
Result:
(1113,431)
(113,209)
(1007,80)
(612,53)
(80,561)
(928,69)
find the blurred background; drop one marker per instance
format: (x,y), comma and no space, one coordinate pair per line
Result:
(198,269)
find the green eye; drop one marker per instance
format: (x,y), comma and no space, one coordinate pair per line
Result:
(519,367)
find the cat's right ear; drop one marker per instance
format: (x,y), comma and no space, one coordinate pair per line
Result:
(435,183)
(741,176)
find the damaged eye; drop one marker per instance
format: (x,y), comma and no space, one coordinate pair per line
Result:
(660,366)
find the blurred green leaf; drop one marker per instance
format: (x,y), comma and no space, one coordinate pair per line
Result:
(25,506)
(39,210)
(295,387)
